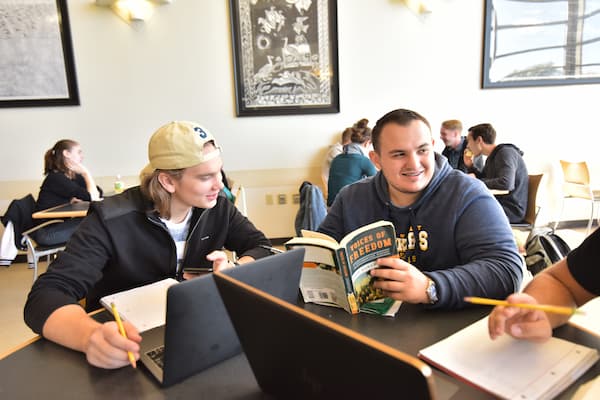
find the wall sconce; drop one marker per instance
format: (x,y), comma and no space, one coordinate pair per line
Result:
(419,7)
(132,10)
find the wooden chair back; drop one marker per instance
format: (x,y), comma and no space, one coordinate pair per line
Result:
(532,209)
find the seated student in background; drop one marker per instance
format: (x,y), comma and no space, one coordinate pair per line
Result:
(174,219)
(571,282)
(454,240)
(226,190)
(67,181)
(352,165)
(504,169)
(456,146)
(334,150)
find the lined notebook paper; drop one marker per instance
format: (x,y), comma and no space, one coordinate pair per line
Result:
(145,307)
(510,368)
(590,321)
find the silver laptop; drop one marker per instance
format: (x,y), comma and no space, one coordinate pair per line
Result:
(295,354)
(198,332)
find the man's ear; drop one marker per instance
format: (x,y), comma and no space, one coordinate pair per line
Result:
(167,182)
(375,159)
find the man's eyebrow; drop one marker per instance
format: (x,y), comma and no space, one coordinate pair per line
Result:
(420,147)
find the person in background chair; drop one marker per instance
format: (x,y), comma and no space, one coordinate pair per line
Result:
(571,282)
(352,165)
(176,218)
(456,146)
(226,191)
(333,151)
(446,250)
(504,169)
(67,181)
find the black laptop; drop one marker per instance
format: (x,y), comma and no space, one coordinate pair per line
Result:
(198,332)
(295,354)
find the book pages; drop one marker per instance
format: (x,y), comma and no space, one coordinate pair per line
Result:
(145,307)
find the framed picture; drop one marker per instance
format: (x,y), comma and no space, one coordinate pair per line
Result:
(532,42)
(285,56)
(36,66)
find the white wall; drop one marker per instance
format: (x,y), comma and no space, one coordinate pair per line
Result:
(179,66)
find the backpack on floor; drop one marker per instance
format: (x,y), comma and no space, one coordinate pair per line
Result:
(543,249)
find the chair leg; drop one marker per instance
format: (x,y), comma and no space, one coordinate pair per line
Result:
(589,226)
(29,260)
(35,268)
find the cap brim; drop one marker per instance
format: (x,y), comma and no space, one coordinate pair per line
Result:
(148,170)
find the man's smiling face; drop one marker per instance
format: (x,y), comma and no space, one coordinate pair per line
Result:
(406,159)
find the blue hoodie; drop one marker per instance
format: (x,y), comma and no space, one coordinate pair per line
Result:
(456,232)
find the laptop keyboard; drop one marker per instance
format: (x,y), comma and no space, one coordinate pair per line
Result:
(157,355)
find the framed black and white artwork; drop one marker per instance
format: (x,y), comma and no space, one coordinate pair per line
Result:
(37,68)
(285,56)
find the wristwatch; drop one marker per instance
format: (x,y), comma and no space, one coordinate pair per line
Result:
(431,291)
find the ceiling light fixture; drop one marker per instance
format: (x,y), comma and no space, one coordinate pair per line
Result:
(132,10)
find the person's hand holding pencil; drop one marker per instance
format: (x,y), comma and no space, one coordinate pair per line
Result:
(521,317)
(122,332)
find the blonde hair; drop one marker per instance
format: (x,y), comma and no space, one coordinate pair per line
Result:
(452,124)
(152,189)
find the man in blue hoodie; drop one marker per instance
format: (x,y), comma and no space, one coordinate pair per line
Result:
(454,239)
(504,169)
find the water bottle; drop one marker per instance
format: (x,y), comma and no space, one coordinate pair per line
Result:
(119,185)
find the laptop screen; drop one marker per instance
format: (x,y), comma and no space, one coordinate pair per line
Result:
(296,354)
(198,331)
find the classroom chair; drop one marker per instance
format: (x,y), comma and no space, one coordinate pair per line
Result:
(532,210)
(19,213)
(577,185)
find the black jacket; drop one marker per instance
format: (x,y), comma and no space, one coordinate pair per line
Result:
(505,169)
(19,213)
(122,244)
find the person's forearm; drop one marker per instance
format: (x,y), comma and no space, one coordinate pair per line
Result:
(90,183)
(70,326)
(546,289)
(556,286)
(91,187)
(244,260)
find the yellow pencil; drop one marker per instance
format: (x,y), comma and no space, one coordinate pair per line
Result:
(541,307)
(122,331)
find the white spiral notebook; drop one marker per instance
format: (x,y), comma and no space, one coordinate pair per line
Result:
(145,307)
(510,368)
(589,320)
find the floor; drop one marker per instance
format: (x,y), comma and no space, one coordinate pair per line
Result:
(15,282)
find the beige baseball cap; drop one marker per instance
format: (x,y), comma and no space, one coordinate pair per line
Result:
(179,144)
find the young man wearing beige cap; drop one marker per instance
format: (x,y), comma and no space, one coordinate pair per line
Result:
(173,220)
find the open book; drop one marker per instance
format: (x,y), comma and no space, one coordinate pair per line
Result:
(337,274)
(145,307)
(507,367)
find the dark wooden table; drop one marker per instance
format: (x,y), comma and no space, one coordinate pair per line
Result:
(45,370)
